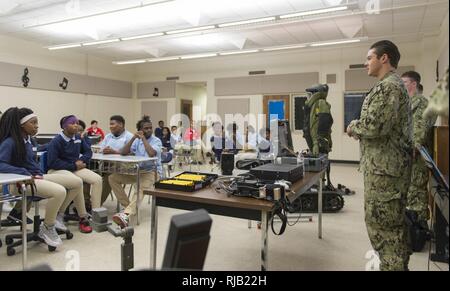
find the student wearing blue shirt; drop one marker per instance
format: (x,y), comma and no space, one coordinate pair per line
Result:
(113,144)
(159,129)
(143,144)
(218,140)
(17,157)
(68,154)
(167,149)
(264,146)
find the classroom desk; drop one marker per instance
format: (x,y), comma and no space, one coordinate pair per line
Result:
(96,148)
(127,160)
(11,179)
(232,206)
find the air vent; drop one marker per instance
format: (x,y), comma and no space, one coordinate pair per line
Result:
(331,78)
(357,66)
(257,72)
(173,78)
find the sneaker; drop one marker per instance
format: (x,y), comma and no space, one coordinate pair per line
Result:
(84,226)
(59,223)
(15,216)
(121,219)
(49,235)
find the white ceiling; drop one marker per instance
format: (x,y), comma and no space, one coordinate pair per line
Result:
(413,18)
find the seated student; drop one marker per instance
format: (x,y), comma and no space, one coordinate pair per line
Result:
(95,130)
(250,139)
(113,144)
(175,136)
(265,147)
(143,144)
(17,157)
(159,129)
(192,138)
(86,187)
(15,215)
(233,140)
(68,155)
(82,130)
(217,140)
(167,149)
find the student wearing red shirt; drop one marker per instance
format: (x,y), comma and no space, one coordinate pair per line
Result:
(192,138)
(94,130)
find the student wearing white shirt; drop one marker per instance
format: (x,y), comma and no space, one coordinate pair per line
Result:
(113,144)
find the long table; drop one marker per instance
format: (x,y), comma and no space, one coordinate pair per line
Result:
(232,206)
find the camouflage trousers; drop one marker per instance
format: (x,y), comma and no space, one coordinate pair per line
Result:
(384,206)
(418,189)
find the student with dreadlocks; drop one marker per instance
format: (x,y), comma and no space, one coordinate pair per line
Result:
(17,157)
(142,144)
(68,154)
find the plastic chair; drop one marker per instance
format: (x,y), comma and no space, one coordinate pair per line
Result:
(166,158)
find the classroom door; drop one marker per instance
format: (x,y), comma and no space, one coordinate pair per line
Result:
(276,107)
(186,108)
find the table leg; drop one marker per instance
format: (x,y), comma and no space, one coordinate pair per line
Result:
(24,226)
(264,241)
(320,198)
(153,233)
(138,188)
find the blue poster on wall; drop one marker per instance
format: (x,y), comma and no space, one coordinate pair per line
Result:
(352,107)
(276,109)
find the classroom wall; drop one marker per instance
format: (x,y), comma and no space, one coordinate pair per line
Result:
(195,93)
(52,105)
(333,60)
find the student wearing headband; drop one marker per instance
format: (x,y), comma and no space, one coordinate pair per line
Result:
(68,154)
(17,126)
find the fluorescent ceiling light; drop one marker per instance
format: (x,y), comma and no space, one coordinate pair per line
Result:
(198,56)
(162,59)
(143,36)
(60,47)
(250,21)
(238,52)
(129,62)
(90,16)
(335,42)
(270,49)
(191,29)
(100,42)
(314,12)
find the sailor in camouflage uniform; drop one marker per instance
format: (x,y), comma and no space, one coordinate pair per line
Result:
(438,104)
(385,134)
(417,200)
